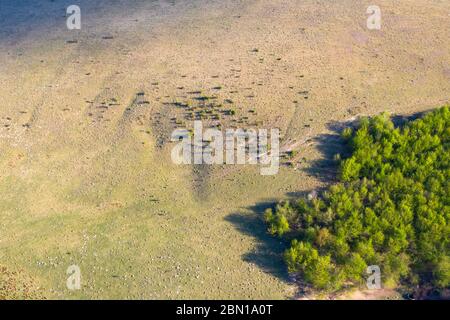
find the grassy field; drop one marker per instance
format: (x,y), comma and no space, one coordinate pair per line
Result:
(85,171)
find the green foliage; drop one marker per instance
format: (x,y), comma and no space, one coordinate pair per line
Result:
(442,272)
(316,269)
(278,221)
(391,208)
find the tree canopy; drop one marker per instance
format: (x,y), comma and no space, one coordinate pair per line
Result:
(391,208)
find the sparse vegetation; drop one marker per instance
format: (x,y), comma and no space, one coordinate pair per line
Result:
(391,208)
(14,286)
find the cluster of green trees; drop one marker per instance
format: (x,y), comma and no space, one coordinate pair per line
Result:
(391,208)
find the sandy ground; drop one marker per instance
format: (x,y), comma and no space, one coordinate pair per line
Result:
(85,170)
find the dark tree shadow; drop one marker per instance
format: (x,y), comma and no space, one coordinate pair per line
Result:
(329,145)
(268,251)
(400,120)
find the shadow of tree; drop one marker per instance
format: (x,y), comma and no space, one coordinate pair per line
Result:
(329,145)
(268,251)
(400,120)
